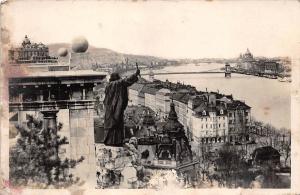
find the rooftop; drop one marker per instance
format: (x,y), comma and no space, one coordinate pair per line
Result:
(236,104)
(149,90)
(185,98)
(137,87)
(163,91)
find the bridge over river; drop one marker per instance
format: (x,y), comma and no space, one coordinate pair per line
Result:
(227,72)
(193,72)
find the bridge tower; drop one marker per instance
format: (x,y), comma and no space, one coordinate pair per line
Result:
(151,73)
(227,70)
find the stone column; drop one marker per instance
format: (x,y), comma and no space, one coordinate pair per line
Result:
(82,143)
(49,92)
(83,94)
(21,96)
(50,123)
(50,119)
(41,98)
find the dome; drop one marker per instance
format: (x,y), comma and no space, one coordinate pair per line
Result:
(62,52)
(26,40)
(248,52)
(41,46)
(172,124)
(80,45)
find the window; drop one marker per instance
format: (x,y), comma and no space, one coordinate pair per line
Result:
(202,126)
(206,126)
(219,125)
(221,111)
(223,117)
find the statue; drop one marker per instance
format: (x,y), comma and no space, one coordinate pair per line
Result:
(115,102)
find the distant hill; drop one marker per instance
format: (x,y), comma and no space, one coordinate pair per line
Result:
(96,55)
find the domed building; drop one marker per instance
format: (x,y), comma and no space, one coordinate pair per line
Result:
(26,41)
(30,53)
(166,144)
(247,56)
(173,148)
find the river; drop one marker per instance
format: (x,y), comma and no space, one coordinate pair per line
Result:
(269,99)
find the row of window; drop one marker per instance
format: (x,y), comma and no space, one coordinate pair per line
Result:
(213,125)
(31,53)
(204,112)
(212,133)
(212,118)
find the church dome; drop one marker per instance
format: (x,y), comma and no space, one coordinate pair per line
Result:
(172,124)
(26,40)
(248,53)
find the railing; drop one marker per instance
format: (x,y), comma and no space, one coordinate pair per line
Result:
(51,105)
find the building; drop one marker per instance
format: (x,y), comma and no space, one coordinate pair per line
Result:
(216,118)
(135,96)
(207,117)
(65,97)
(238,119)
(209,121)
(162,102)
(262,66)
(150,94)
(174,129)
(167,149)
(180,100)
(30,53)
(247,56)
(147,126)
(266,67)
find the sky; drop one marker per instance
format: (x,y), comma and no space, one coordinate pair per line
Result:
(171,29)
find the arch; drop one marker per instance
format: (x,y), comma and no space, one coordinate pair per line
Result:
(219,139)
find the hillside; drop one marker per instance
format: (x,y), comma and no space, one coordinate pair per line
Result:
(96,55)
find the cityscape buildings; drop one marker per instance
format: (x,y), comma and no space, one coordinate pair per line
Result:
(205,116)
